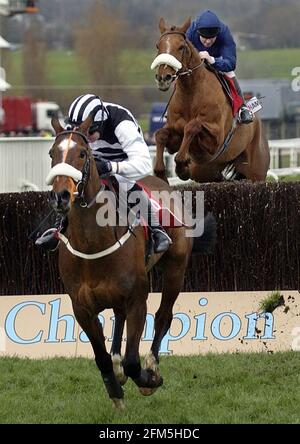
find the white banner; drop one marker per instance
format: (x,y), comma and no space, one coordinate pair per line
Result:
(44,325)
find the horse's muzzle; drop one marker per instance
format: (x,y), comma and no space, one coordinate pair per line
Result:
(164,82)
(61,201)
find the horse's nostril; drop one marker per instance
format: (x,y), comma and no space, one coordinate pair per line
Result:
(168,78)
(158,77)
(65,196)
(61,199)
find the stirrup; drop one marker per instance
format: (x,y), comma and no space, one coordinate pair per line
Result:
(163,245)
(49,236)
(250,114)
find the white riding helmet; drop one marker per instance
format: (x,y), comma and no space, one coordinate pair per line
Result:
(85,105)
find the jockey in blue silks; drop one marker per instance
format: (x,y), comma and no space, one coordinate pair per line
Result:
(215,44)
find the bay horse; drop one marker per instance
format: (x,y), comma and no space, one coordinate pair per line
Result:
(200,118)
(104,266)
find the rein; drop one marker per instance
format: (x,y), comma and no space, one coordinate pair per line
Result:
(227,141)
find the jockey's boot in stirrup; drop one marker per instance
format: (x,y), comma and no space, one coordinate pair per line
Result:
(49,240)
(245,115)
(161,240)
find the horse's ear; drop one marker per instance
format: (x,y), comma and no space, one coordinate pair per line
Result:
(56,125)
(186,25)
(86,124)
(162,25)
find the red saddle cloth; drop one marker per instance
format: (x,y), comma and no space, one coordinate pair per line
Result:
(167,218)
(236,100)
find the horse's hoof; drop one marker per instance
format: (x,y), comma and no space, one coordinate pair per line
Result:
(182,170)
(157,381)
(161,175)
(118,404)
(183,174)
(146,391)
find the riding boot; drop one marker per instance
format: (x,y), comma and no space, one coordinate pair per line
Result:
(160,238)
(245,115)
(49,239)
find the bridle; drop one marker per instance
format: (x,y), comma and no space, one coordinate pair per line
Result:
(81,178)
(79,194)
(80,186)
(183,71)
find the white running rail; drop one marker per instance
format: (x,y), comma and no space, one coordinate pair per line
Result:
(25,163)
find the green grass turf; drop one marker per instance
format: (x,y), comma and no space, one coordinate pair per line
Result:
(65,69)
(238,388)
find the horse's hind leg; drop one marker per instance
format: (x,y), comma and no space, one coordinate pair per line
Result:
(258,157)
(116,347)
(173,276)
(93,329)
(147,381)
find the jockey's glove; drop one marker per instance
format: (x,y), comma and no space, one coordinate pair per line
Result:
(104,167)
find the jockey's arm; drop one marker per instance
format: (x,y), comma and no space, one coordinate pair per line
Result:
(138,164)
(227,61)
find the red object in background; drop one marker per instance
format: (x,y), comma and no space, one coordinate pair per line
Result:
(18,114)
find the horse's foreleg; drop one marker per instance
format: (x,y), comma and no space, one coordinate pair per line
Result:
(116,347)
(161,139)
(93,329)
(191,130)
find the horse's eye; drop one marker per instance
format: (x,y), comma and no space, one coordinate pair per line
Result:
(181,48)
(82,154)
(50,154)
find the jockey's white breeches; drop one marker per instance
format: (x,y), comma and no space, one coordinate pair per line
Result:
(229,74)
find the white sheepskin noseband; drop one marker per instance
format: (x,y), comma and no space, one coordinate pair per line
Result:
(166,59)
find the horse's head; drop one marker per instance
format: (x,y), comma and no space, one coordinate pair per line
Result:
(172,55)
(71,164)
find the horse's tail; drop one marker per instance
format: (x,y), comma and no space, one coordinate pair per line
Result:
(206,242)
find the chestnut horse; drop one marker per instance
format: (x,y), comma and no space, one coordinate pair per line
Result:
(199,117)
(99,271)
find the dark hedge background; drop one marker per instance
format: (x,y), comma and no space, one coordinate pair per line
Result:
(257,247)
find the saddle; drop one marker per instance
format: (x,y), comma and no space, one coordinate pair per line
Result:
(163,213)
(166,217)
